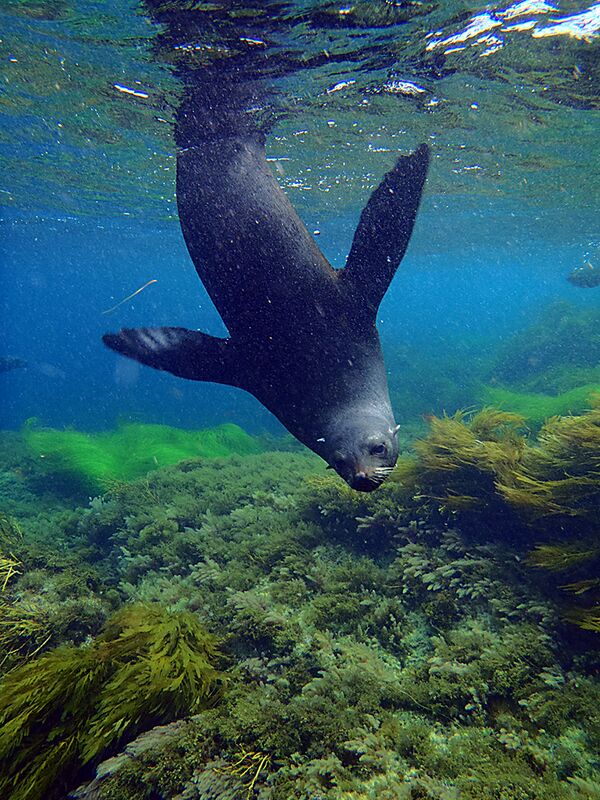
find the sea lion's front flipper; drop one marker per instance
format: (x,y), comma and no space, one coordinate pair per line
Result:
(187,354)
(384,230)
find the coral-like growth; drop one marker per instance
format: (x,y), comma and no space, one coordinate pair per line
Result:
(70,706)
(131,451)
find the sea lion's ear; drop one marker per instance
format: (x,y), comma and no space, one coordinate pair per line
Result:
(384,230)
(187,354)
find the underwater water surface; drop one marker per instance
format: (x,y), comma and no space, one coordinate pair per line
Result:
(169,555)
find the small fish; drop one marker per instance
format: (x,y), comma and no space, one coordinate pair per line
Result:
(586,277)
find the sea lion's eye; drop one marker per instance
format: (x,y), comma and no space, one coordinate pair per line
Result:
(378,450)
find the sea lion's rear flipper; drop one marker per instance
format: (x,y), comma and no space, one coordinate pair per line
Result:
(187,354)
(384,230)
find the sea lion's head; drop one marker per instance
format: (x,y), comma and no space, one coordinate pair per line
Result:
(363,450)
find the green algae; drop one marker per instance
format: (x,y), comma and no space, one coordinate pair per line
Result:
(68,707)
(559,351)
(534,407)
(95,459)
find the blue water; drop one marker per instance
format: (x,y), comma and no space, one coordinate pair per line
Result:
(63,275)
(509,209)
(415,641)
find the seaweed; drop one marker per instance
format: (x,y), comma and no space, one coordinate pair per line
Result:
(536,407)
(485,464)
(380,645)
(68,707)
(459,461)
(94,460)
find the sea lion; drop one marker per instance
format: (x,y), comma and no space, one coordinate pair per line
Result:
(303,337)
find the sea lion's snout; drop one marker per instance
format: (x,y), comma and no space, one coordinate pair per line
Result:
(363,483)
(365,451)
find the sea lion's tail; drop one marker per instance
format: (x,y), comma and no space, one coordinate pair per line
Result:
(384,231)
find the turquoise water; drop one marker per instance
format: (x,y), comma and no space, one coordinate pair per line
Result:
(413,644)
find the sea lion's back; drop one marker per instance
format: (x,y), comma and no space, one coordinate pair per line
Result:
(254,255)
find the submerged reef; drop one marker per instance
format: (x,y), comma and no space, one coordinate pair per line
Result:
(393,645)
(559,351)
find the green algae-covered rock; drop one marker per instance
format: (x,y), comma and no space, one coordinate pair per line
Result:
(536,408)
(133,450)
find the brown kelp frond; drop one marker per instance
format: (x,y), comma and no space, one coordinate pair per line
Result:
(581,587)
(248,766)
(485,463)
(176,673)
(11,534)
(538,497)
(561,557)
(586,618)
(24,631)
(67,707)
(561,475)
(557,476)
(463,455)
(498,426)
(569,445)
(10,566)
(489,440)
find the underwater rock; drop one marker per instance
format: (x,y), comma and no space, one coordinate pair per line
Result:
(586,276)
(157,737)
